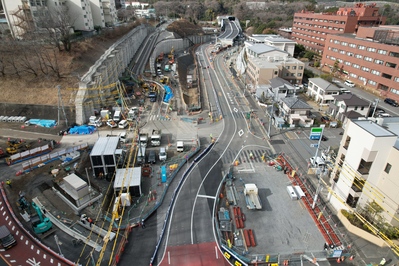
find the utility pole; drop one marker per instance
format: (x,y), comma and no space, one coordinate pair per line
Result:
(318,144)
(375,106)
(61,105)
(318,189)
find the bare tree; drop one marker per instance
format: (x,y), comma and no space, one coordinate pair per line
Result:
(58,24)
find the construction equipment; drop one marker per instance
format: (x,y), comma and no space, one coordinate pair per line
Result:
(171,56)
(164,80)
(16,143)
(40,224)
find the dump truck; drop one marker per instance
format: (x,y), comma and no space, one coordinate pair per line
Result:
(252,197)
(156,137)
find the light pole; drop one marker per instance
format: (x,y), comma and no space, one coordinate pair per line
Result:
(375,106)
(318,189)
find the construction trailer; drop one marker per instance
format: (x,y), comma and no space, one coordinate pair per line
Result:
(103,156)
(128,180)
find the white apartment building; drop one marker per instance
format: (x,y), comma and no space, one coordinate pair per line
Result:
(366,168)
(22,15)
(266,62)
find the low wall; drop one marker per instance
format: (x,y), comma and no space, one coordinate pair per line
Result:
(360,232)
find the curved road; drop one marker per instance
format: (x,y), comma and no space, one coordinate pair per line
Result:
(27,251)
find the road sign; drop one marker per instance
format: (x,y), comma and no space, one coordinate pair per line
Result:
(315,133)
(314,145)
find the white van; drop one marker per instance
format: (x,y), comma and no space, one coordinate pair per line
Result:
(117,116)
(123,124)
(349,83)
(122,137)
(319,162)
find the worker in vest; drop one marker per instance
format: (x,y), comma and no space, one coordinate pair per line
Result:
(8,182)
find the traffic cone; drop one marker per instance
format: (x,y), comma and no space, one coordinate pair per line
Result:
(338,260)
(351,257)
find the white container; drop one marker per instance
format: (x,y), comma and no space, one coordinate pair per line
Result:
(5,119)
(10,118)
(22,119)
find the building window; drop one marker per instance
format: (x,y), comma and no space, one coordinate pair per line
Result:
(387,76)
(372,82)
(294,67)
(299,74)
(356,66)
(349,53)
(347,142)
(344,43)
(375,72)
(364,167)
(396,79)
(379,62)
(358,56)
(369,59)
(394,54)
(352,45)
(371,49)
(392,65)
(382,51)
(387,168)
(347,63)
(83,8)
(361,47)
(366,69)
(300,67)
(288,67)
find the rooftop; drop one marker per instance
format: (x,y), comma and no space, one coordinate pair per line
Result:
(351,100)
(373,128)
(324,84)
(295,103)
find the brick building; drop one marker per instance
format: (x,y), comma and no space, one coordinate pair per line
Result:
(311,29)
(370,58)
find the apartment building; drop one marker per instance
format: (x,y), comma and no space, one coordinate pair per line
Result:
(370,58)
(23,15)
(366,168)
(311,29)
(265,62)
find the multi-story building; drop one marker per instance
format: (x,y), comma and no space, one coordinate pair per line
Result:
(370,58)
(24,16)
(311,29)
(365,170)
(272,40)
(266,62)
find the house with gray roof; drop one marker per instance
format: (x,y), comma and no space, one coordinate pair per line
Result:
(296,112)
(347,106)
(277,89)
(322,91)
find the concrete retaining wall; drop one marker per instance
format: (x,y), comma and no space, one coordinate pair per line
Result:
(360,232)
(105,73)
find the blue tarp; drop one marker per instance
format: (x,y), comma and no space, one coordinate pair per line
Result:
(43,122)
(168,94)
(82,130)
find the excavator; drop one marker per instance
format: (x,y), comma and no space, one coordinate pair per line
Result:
(40,224)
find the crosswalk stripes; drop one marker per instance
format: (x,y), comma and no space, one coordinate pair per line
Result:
(230,156)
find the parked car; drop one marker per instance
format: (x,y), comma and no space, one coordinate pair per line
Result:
(391,102)
(152,158)
(324,138)
(349,83)
(325,119)
(111,123)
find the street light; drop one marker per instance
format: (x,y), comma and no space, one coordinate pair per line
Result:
(375,106)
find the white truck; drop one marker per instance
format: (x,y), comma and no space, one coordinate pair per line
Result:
(140,155)
(156,137)
(132,114)
(94,121)
(252,197)
(179,146)
(143,139)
